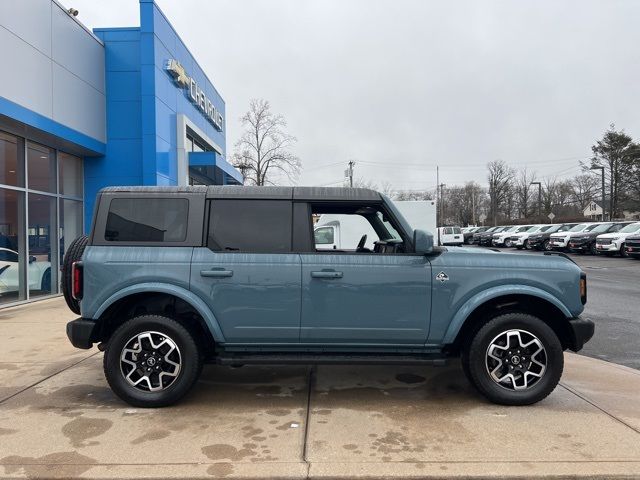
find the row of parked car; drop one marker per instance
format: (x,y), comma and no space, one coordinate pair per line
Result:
(605,238)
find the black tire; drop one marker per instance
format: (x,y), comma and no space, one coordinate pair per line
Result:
(73,254)
(592,249)
(525,245)
(478,371)
(623,251)
(546,246)
(190,361)
(45,283)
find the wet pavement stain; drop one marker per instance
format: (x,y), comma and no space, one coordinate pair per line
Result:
(223,451)
(250,431)
(54,465)
(151,436)
(7,431)
(409,378)
(83,428)
(278,412)
(220,469)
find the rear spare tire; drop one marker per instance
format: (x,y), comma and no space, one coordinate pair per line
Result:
(74,253)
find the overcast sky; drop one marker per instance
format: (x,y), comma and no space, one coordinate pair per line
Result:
(403,86)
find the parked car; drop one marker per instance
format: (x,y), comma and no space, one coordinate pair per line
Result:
(451,236)
(560,240)
(540,239)
(501,239)
(585,242)
(469,234)
(632,246)
(520,239)
(39,273)
(171,277)
(612,243)
(484,238)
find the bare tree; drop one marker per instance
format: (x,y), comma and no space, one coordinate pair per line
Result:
(262,152)
(584,189)
(500,178)
(523,191)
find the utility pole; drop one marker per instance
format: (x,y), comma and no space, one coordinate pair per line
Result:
(350,172)
(442,185)
(473,204)
(539,199)
(602,172)
(437,196)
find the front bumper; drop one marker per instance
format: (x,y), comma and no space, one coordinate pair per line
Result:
(579,247)
(83,333)
(558,243)
(610,247)
(581,332)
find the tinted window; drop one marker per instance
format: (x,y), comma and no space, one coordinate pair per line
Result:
(147,220)
(260,226)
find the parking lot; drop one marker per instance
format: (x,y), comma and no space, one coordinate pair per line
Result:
(322,421)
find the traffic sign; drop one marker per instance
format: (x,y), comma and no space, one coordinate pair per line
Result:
(551,216)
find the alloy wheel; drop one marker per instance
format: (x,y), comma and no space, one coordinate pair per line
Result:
(150,361)
(516,359)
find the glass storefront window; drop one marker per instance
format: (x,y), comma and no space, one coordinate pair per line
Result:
(41,226)
(41,168)
(70,224)
(11,171)
(40,216)
(71,179)
(12,259)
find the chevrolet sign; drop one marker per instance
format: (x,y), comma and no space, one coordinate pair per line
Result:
(196,94)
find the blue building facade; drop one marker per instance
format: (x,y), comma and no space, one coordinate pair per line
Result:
(87,109)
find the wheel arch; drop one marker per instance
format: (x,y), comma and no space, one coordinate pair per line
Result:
(157,298)
(476,313)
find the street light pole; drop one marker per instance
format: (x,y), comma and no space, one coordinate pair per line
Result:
(595,167)
(539,198)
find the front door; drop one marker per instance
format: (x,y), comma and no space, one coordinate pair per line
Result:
(365,298)
(247,273)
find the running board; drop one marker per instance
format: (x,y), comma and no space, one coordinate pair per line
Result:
(329,359)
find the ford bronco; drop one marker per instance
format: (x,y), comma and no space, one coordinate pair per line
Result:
(174,277)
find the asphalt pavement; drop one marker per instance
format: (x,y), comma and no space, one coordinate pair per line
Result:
(613,303)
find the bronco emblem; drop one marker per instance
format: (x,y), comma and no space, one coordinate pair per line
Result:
(442,277)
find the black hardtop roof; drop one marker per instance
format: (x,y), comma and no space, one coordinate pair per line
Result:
(265,193)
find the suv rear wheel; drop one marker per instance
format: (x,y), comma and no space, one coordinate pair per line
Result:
(152,361)
(514,359)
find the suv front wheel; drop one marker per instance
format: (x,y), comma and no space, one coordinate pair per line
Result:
(152,361)
(514,359)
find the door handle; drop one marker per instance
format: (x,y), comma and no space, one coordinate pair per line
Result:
(326,274)
(216,273)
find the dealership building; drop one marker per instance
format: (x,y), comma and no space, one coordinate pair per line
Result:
(81,110)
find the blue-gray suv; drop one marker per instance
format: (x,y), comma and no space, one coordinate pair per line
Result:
(172,278)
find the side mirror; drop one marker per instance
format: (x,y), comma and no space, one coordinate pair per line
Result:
(32,259)
(423,242)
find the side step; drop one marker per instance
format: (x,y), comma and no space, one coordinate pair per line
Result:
(329,359)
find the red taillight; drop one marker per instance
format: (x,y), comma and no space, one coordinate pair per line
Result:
(76,280)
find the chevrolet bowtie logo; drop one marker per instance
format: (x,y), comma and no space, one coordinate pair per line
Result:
(178,73)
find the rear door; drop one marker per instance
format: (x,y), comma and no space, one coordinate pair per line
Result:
(247,272)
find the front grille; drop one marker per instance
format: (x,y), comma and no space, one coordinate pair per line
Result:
(604,241)
(633,243)
(514,239)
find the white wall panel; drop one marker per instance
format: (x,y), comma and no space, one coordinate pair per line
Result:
(29,20)
(75,103)
(26,77)
(76,50)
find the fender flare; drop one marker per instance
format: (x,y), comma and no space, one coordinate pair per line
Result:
(499,291)
(155,287)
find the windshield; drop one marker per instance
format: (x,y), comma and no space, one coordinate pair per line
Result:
(578,228)
(634,227)
(548,228)
(598,227)
(510,229)
(564,228)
